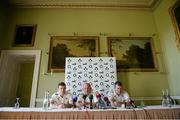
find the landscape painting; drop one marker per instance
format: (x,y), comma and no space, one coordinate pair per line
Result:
(132,53)
(71,46)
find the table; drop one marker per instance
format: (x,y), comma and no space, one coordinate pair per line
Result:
(148,112)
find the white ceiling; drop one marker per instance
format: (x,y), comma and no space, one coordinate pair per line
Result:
(126,4)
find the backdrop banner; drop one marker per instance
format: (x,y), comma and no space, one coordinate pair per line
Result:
(100,72)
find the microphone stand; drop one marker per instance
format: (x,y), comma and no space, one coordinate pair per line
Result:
(90,99)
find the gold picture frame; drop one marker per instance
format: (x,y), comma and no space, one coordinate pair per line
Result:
(175,16)
(70,46)
(24,35)
(133,53)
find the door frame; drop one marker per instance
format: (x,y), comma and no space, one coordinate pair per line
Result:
(37,55)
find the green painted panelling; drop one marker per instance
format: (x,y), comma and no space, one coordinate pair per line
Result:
(168,40)
(148,102)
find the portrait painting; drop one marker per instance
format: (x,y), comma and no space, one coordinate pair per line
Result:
(24,35)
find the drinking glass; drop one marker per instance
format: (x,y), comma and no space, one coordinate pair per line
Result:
(17,105)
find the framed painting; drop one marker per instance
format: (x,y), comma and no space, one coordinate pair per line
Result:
(24,35)
(132,53)
(175,16)
(70,46)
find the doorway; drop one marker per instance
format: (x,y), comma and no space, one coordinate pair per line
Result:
(25,83)
(15,66)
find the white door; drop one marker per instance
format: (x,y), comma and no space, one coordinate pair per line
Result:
(9,74)
(9,71)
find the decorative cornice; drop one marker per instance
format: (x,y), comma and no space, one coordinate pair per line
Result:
(122,4)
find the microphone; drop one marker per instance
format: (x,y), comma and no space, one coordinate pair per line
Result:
(91,98)
(98,95)
(84,97)
(107,101)
(74,101)
(100,103)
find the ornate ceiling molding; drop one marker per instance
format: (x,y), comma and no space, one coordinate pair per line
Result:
(124,4)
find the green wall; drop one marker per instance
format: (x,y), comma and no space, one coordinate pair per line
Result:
(3,18)
(170,50)
(25,84)
(92,22)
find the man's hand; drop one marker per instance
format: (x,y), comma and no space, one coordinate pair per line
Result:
(61,105)
(53,102)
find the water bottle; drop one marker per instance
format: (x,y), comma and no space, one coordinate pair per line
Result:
(170,101)
(142,103)
(164,99)
(174,102)
(46,101)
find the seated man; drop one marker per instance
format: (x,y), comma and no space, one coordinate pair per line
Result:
(119,97)
(86,99)
(61,99)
